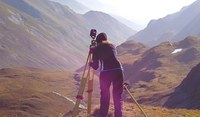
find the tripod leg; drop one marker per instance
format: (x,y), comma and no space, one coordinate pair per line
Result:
(81,90)
(90,90)
(125,87)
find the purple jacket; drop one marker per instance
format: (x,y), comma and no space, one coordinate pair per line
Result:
(105,53)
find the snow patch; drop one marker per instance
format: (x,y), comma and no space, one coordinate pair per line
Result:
(177,50)
(81,106)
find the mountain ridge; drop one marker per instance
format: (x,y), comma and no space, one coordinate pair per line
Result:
(75,5)
(98,20)
(173,27)
(55,38)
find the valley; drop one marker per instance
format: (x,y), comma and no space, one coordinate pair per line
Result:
(43,49)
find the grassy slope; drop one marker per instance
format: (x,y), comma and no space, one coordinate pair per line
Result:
(31,92)
(131,110)
(33,40)
(160,70)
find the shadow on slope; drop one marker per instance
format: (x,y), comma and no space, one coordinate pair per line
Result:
(187,94)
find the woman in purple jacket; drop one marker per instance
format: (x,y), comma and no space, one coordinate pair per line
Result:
(111,73)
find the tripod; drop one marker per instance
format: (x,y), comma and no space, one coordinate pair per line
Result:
(125,85)
(86,78)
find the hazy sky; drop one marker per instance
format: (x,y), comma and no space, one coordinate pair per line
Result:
(139,11)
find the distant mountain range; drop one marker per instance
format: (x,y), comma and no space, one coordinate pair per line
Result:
(173,27)
(129,23)
(45,34)
(80,8)
(101,21)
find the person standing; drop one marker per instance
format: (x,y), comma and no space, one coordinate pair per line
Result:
(111,73)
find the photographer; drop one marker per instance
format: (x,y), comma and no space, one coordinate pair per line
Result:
(111,73)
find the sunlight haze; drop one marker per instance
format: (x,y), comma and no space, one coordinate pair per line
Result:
(138,11)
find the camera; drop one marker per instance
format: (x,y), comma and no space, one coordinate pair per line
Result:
(93,33)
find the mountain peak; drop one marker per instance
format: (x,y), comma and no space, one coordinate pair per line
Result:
(132,47)
(117,32)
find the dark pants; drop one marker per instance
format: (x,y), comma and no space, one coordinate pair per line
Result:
(114,77)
